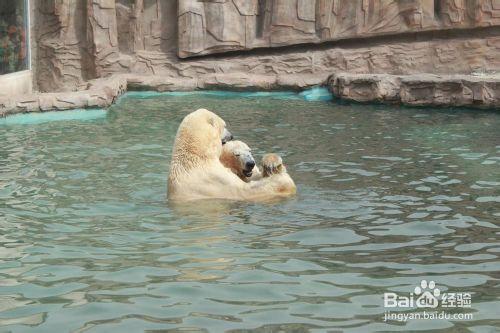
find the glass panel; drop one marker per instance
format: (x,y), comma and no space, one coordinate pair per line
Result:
(13,36)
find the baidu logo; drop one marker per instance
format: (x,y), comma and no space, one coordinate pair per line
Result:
(427,295)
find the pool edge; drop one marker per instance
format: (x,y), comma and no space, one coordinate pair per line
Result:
(472,91)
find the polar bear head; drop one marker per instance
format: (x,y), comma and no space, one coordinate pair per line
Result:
(201,135)
(237,156)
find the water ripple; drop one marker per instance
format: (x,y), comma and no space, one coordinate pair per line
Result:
(387,196)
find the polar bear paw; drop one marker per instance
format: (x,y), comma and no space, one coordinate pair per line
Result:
(272,164)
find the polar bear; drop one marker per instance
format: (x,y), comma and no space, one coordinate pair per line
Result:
(197,173)
(237,156)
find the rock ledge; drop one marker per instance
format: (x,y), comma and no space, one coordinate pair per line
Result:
(103,92)
(479,91)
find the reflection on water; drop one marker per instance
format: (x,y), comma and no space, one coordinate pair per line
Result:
(387,197)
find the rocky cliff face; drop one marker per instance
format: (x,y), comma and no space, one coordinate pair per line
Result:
(80,40)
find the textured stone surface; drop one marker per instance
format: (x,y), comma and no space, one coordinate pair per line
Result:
(62,58)
(366,87)
(419,89)
(416,90)
(102,35)
(440,56)
(104,92)
(82,40)
(98,94)
(67,57)
(207,26)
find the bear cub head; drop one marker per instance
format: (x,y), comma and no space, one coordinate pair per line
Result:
(237,156)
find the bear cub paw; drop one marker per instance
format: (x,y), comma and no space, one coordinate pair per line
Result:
(272,164)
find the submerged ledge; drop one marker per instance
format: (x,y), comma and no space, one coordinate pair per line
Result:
(313,94)
(415,90)
(44,117)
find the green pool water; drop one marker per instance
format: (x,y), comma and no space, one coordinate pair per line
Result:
(387,196)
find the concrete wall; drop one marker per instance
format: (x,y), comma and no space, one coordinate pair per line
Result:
(19,83)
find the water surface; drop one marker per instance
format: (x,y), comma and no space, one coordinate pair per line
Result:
(387,196)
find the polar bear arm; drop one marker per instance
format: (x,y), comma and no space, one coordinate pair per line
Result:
(226,185)
(280,185)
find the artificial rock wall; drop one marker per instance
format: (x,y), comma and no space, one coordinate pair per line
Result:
(80,40)
(212,26)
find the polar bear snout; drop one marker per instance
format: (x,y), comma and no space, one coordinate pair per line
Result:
(249,165)
(226,136)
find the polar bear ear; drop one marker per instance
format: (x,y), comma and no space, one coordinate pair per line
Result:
(211,121)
